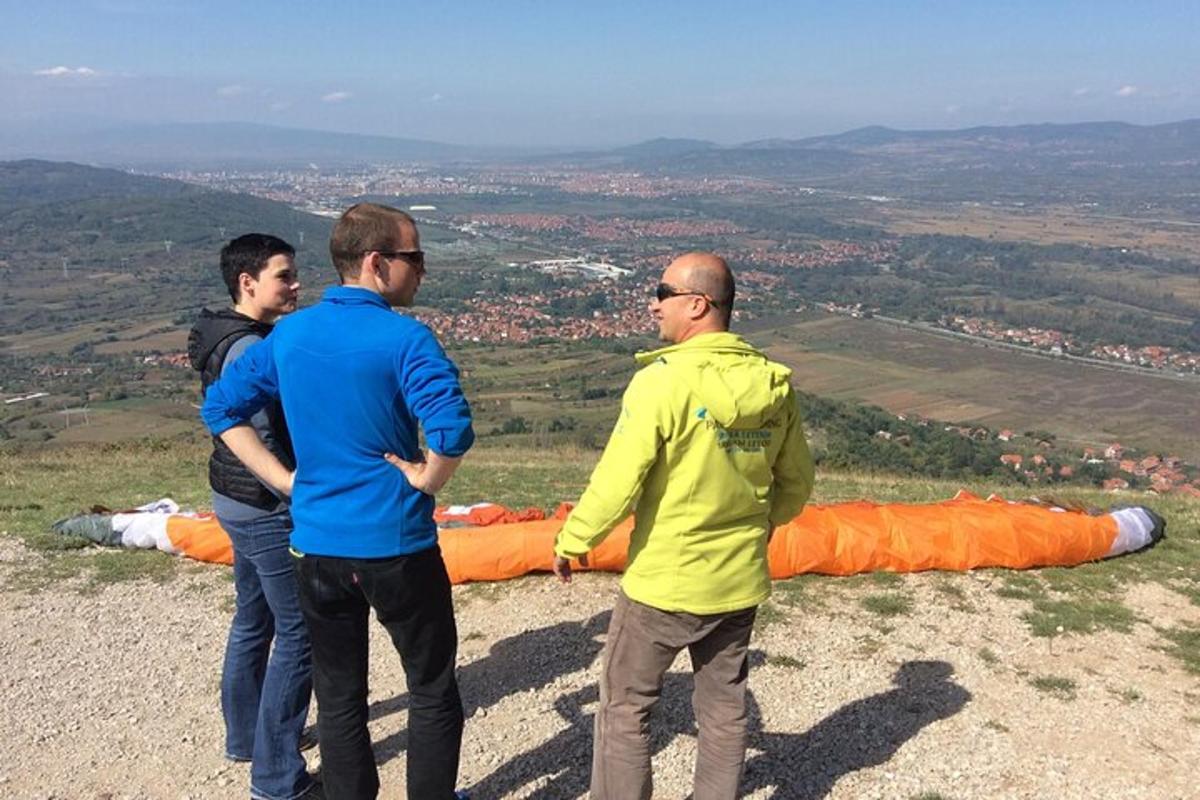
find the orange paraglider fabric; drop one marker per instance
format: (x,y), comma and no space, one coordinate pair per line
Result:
(200,537)
(837,539)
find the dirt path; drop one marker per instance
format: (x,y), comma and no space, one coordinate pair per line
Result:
(114,695)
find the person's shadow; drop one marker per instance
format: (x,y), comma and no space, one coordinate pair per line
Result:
(802,766)
(529,660)
(864,733)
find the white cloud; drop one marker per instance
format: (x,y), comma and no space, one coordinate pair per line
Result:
(436,97)
(952,110)
(66,72)
(335,97)
(1128,90)
(232,90)
(1082,91)
(281,105)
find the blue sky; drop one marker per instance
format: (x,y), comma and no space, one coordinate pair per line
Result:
(578,73)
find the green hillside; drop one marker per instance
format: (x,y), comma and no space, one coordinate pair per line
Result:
(135,248)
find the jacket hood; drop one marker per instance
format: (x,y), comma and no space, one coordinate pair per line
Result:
(214,327)
(738,386)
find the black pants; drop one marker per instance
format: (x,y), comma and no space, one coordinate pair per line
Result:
(411,598)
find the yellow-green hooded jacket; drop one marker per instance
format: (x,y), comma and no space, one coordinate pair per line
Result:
(711,438)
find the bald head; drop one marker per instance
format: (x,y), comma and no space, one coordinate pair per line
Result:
(707,273)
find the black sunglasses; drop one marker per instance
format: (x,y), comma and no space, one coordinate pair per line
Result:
(665,291)
(414,257)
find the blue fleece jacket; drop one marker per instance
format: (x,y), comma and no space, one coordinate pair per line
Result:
(355,380)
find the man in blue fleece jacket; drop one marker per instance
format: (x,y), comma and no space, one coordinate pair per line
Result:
(356,380)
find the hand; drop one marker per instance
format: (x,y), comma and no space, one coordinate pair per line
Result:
(562,567)
(414,472)
(429,473)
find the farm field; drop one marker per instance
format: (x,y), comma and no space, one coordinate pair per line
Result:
(1167,237)
(917,372)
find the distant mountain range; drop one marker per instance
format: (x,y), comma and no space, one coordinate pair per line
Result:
(236,144)
(225,144)
(1099,139)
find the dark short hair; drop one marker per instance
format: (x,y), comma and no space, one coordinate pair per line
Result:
(362,228)
(249,253)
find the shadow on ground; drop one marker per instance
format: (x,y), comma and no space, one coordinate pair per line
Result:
(527,661)
(804,766)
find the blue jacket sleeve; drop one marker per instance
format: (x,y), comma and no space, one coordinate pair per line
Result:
(429,381)
(243,389)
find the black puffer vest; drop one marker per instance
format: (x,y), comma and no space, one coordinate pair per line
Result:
(208,344)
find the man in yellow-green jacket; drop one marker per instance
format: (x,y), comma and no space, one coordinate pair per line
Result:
(709,448)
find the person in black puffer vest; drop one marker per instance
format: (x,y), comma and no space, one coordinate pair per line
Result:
(265,693)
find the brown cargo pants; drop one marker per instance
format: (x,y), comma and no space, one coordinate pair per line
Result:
(642,643)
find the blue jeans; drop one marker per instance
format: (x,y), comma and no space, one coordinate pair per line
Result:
(265,693)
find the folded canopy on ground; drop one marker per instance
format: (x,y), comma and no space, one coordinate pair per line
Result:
(963,533)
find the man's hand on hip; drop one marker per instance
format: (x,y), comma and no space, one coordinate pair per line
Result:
(427,475)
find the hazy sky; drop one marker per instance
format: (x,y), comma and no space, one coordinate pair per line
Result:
(574,72)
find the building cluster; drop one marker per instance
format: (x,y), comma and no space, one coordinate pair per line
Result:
(523,317)
(820,254)
(616,229)
(1158,473)
(1059,343)
(1149,356)
(1047,339)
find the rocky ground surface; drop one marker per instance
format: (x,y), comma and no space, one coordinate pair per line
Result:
(113,693)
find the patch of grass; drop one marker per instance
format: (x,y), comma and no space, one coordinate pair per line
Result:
(1129,695)
(472,636)
(121,566)
(930,796)
(519,477)
(768,614)
(785,661)
(1078,615)
(1062,688)
(802,591)
(1086,578)
(943,584)
(867,646)
(885,579)
(988,656)
(1185,646)
(948,586)
(1021,586)
(1190,590)
(996,726)
(891,604)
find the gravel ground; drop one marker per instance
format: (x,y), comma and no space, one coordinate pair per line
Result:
(114,694)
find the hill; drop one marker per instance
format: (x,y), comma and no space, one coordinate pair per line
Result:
(1110,140)
(82,247)
(1117,163)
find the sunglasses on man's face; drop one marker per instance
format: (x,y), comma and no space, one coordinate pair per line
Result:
(665,291)
(414,257)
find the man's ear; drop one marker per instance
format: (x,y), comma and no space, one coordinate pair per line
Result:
(369,271)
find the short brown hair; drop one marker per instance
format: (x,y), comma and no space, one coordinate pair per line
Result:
(362,228)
